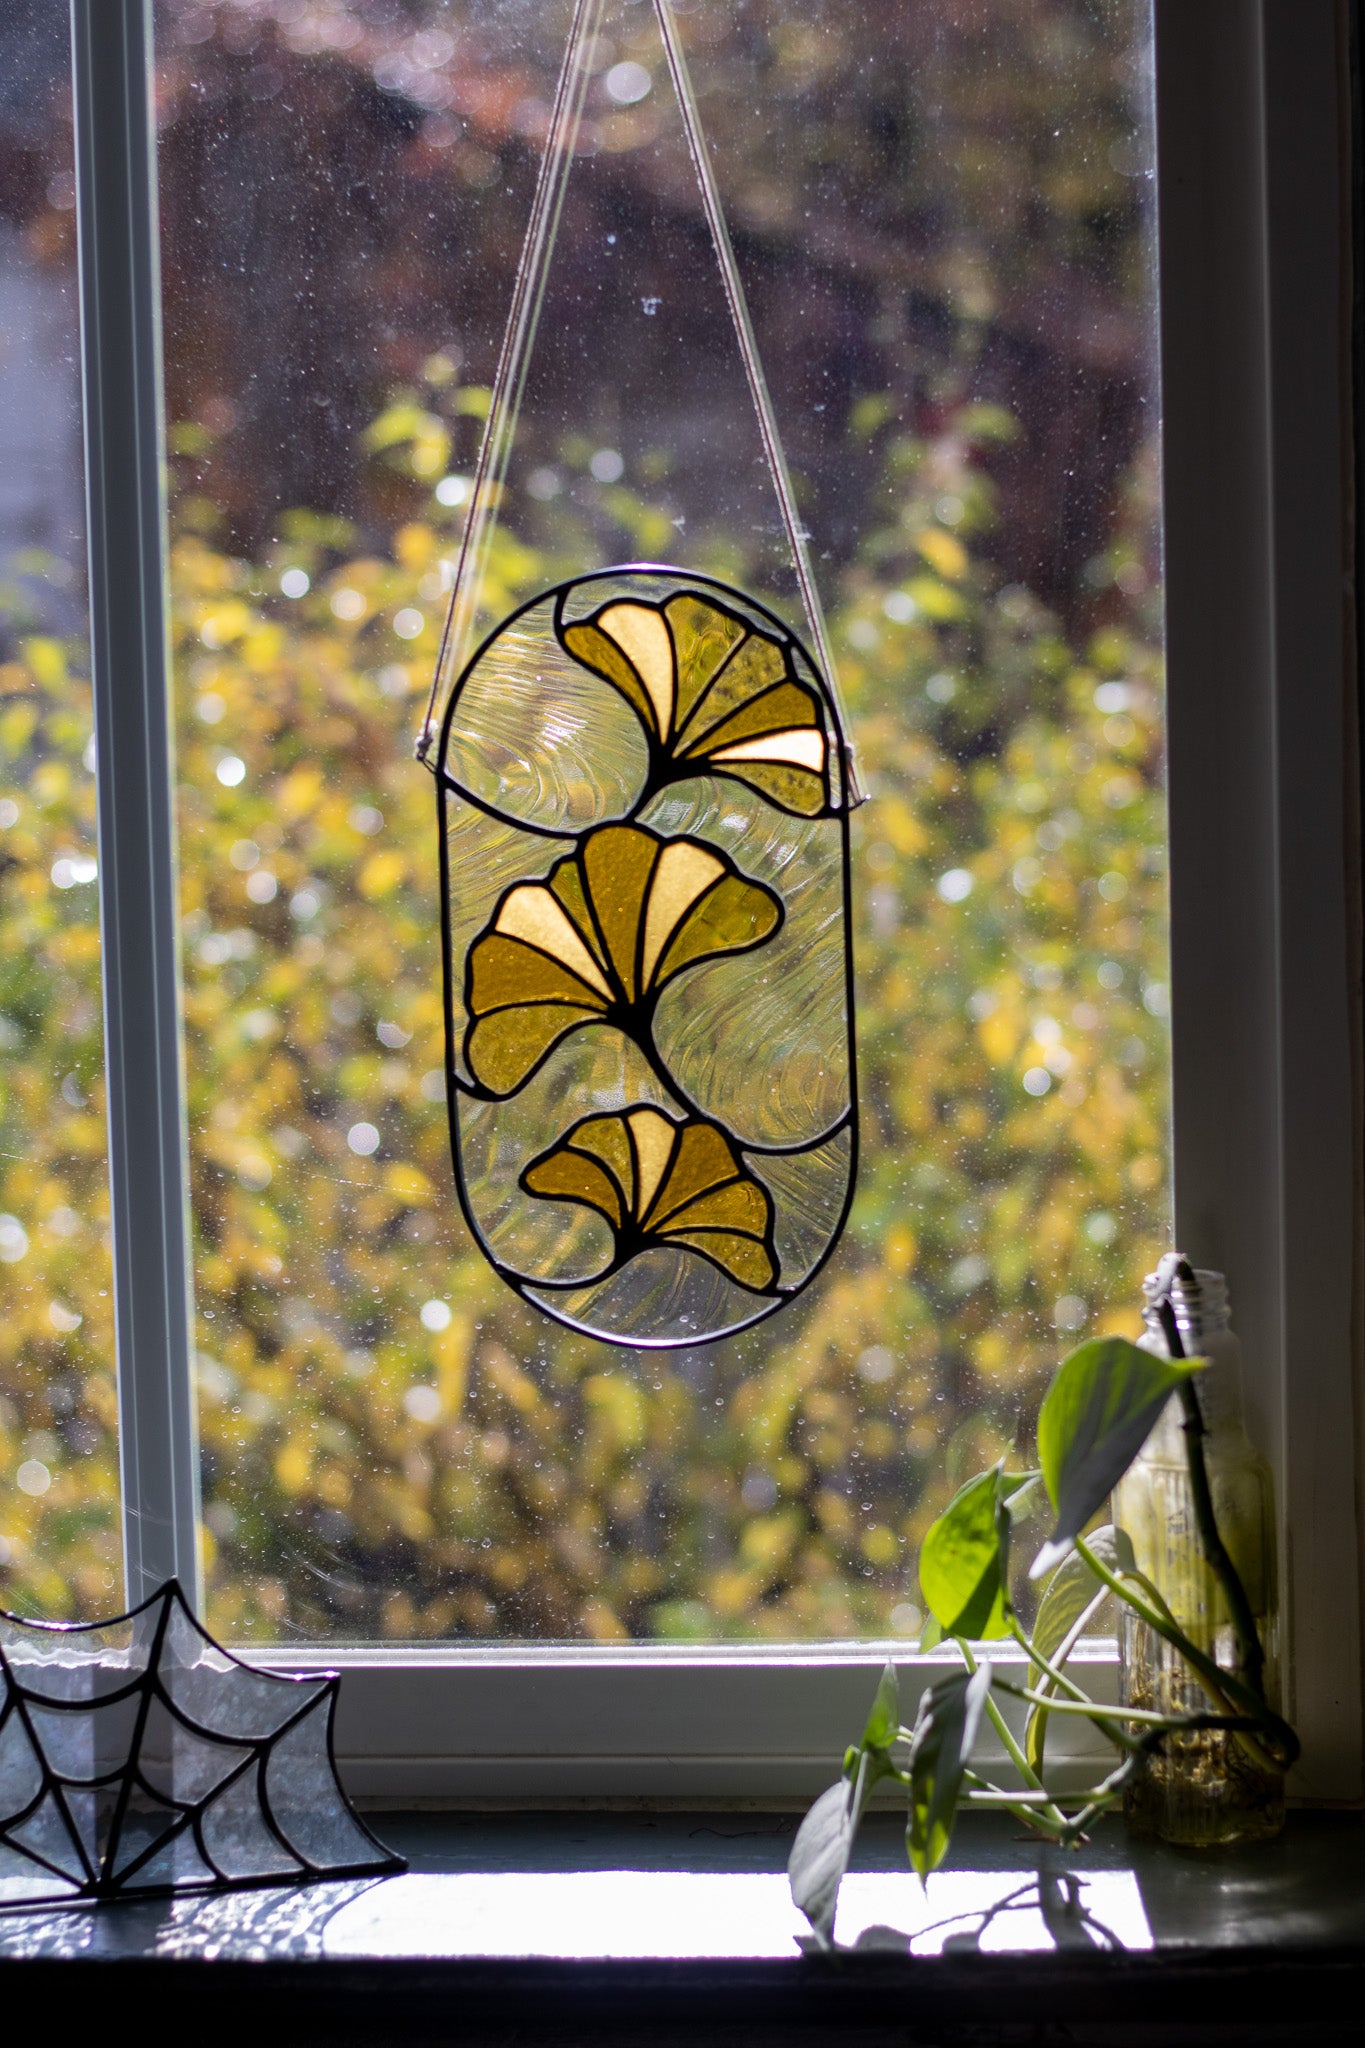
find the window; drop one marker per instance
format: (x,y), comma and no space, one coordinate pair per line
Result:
(393,1446)
(1257,937)
(60,1541)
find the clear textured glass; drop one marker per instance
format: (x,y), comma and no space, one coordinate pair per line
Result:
(663,998)
(59,1528)
(1209,1788)
(137,1756)
(943,222)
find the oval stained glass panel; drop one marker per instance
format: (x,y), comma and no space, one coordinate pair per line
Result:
(649,1024)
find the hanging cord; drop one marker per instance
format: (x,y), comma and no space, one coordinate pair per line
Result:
(509,380)
(753,367)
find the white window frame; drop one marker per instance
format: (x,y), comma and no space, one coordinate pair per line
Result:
(1253,139)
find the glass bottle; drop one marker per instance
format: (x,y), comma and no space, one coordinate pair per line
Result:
(1201,1790)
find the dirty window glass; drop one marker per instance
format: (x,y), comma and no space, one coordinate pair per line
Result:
(60,1545)
(944,222)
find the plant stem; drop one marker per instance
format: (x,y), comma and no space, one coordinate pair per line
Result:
(1250,1664)
(1105,1795)
(1223,1687)
(1220,1682)
(1113,1786)
(1045,1664)
(1012,1749)
(1057,1664)
(1093,1709)
(860,1790)
(987,1794)
(1023,1805)
(1079,1703)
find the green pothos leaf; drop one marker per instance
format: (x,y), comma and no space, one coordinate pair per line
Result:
(885,1717)
(820,1853)
(964,1560)
(1094,1420)
(1073,1586)
(945,1731)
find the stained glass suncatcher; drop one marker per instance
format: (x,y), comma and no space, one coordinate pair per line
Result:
(642,784)
(138,1758)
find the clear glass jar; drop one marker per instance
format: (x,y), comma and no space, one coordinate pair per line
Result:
(1200,1790)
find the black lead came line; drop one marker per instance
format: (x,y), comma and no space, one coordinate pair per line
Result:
(636,1027)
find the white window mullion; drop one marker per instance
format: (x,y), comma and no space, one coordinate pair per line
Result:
(126,498)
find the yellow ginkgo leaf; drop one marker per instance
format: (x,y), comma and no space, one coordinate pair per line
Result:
(661,1182)
(597,941)
(713,694)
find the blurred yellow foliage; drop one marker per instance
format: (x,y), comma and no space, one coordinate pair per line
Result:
(393,1445)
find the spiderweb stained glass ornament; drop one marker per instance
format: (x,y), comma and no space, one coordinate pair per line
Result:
(643,792)
(138,1758)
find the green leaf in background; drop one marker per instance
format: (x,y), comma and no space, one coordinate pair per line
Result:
(1072,1599)
(965,1557)
(883,1723)
(945,1730)
(820,1853)
(1095,1417)
(1073,1587)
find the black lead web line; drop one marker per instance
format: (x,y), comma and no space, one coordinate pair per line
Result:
(115,1875)
(509,382)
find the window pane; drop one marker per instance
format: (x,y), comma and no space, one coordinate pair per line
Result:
(944,218)
(60,1545)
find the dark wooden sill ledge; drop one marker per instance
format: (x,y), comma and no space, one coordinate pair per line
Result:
(572,1928)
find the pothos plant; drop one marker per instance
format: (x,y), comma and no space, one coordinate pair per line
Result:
(1098,1412)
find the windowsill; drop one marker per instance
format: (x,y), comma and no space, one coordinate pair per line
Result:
(560,1925)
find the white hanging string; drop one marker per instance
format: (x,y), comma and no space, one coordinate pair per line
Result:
(509,382)
(753,366)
